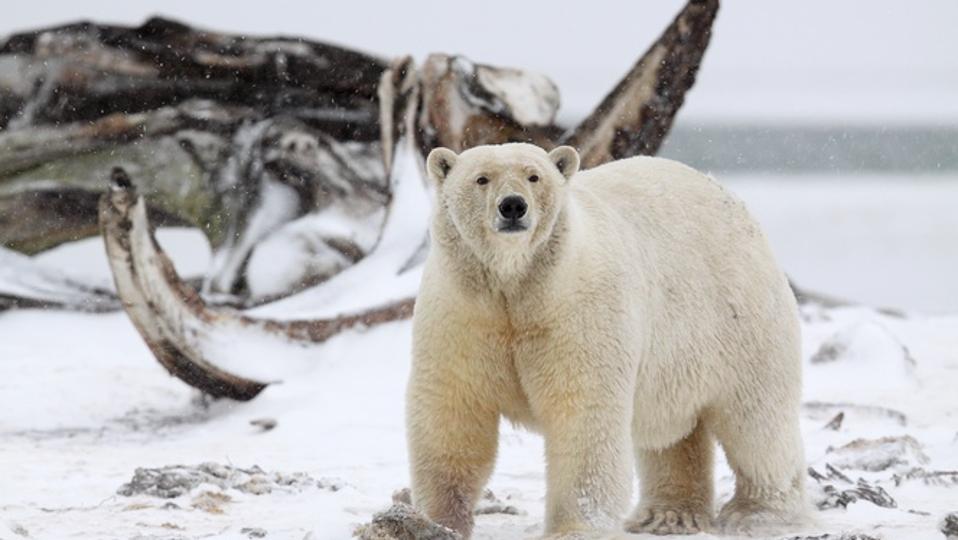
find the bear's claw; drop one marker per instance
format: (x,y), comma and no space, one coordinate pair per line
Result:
(674,519)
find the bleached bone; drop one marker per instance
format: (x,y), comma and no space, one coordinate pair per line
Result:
(331,120)
(637,115)
(176,322)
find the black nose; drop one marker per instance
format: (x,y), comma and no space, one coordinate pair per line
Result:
(512,207)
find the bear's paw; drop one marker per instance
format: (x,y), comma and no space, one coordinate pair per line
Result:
(669,518)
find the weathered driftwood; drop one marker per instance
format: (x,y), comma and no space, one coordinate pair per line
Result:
(253,139)
(174,320)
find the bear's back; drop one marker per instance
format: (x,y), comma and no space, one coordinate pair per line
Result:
(663,202)
(645,183)
(693,242)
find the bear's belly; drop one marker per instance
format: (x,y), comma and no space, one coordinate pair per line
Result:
(656,429)
(666,408)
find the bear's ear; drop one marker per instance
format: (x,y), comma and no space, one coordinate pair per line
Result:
(439,163)
(566,159)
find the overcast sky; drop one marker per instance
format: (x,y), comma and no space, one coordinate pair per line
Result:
(876,61)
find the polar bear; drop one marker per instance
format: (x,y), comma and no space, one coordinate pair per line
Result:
(633,309)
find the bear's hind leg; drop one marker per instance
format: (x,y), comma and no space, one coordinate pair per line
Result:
(765,452)
(676,486)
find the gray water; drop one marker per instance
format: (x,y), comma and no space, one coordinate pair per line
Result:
(804,149)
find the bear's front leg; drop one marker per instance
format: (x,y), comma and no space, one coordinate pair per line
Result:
(588,481)
(585,422)
(452,448)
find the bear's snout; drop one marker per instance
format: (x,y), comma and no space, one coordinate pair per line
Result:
(513,207)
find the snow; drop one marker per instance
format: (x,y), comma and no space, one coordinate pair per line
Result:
(79,416)
(85,260)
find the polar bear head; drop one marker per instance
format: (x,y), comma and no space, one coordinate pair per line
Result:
(502,202)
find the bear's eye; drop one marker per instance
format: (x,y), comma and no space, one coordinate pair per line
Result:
(482,180)
(534,178)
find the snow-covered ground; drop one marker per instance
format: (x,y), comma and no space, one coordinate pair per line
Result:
(84,404)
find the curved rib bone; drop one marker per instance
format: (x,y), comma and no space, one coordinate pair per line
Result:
(177,325)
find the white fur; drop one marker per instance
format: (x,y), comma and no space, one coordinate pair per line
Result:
(641,315)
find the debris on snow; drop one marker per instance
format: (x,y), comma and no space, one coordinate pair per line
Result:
(928,478)
(403,522)
(835,498)
(173,481)
(210,502)
(831,473)
(865,342)
(949,526)
(832,497)
(12,531)
(877,455)
(836,423)
(264,424)
(402,496)
(490,504)
(820,410)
